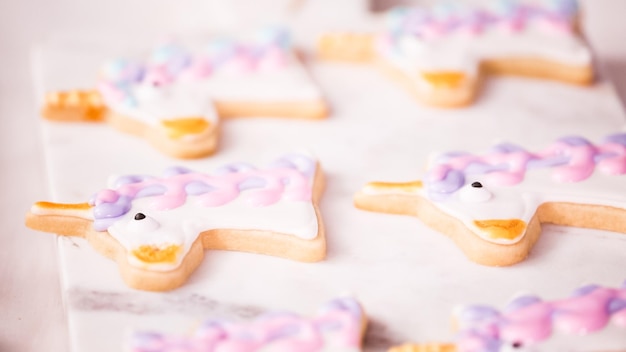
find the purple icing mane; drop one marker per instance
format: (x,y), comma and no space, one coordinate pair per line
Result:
(289,178)
(528,320)
(341,319)
(448,17)
(573,159)
(171,61)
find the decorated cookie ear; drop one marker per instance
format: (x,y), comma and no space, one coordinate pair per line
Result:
(176,96)
(157,228)
(442,53)
(492,204)
(338,326)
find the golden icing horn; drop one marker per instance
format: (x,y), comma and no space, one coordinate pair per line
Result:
(59,218)
(50,208)
(431,347)
(74,105)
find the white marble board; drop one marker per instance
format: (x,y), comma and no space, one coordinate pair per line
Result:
(407,276)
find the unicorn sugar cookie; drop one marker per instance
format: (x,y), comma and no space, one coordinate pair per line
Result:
(441,54)
(339,326)
(528,323)
(175,97)
(492,204)
(157,228)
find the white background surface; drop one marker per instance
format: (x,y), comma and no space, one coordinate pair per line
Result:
(32,316)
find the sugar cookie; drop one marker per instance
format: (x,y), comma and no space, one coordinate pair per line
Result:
(338,326)
(529,323)
(157,228)
(491,205)
(176,95)
(441,54)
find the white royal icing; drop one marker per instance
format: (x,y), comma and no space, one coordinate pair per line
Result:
(181,225)
(155,104)
(283,80)
(522,200)
(462,52)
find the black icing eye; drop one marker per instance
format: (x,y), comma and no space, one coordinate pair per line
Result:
(517,344)
(474,193)
(142,224)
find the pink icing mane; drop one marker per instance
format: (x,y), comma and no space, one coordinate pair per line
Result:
(510,15)
(572,159)
(528,320)
(171,62)
(338,321)
(290,179)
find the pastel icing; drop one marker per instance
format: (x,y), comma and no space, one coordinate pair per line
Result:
(571,159)
(453,37)
(337,327)
(528,322)
(180,79)
(165,214)
(513,182)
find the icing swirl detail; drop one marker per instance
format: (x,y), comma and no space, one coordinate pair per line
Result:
(289,178)
(337,326)
(171,62)
(572,159)
(528,320)
(446,18)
